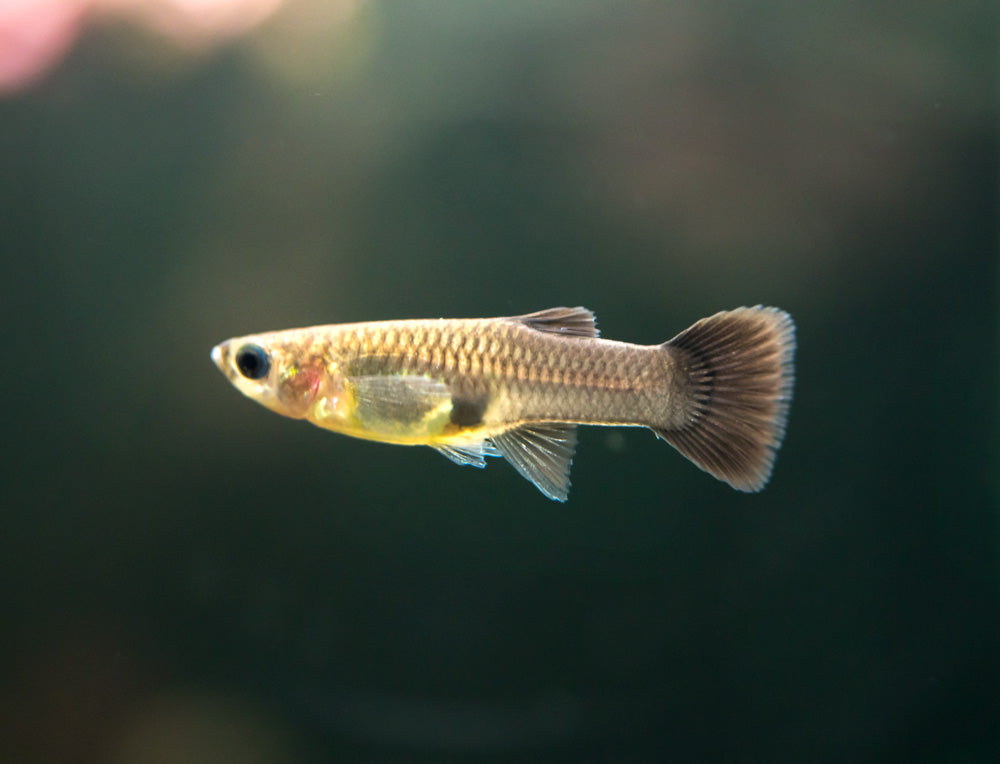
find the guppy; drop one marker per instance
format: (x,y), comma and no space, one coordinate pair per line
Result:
(517,387)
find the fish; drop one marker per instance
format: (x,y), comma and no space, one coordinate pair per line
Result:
(517,387)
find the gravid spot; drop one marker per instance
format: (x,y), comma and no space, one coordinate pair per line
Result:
(467,412)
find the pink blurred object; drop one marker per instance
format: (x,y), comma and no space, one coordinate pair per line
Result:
(34,36)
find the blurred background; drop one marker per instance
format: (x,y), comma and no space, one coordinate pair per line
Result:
(188,577)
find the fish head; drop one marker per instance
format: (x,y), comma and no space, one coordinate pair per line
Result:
(275,370)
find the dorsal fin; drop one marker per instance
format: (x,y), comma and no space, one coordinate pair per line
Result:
(573,322)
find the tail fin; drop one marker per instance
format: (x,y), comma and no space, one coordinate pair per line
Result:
(739,366)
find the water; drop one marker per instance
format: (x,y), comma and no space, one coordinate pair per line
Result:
(189,576)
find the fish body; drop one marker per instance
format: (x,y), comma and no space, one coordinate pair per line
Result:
(517,387)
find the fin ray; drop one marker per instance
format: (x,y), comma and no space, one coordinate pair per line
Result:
(542,452)
(573,322)
(471,455)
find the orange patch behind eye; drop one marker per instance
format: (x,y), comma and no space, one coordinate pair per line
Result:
(298,387)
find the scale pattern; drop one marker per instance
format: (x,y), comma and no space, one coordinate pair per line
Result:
(513,373)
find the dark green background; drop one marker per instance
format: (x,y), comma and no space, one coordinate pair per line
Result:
(187,575)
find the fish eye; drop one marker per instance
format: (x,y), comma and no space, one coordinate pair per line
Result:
(253,361)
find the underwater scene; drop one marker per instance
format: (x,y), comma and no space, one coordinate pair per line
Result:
(697,304)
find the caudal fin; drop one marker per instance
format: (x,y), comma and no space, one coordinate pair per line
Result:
(739,366)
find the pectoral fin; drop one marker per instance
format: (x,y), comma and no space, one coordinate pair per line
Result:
(542,452)
(404,405)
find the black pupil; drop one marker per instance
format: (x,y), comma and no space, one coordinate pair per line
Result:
(252,362)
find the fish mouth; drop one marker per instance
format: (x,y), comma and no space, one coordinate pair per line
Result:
(219,355)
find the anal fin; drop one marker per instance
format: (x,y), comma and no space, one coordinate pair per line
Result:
(543,453)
